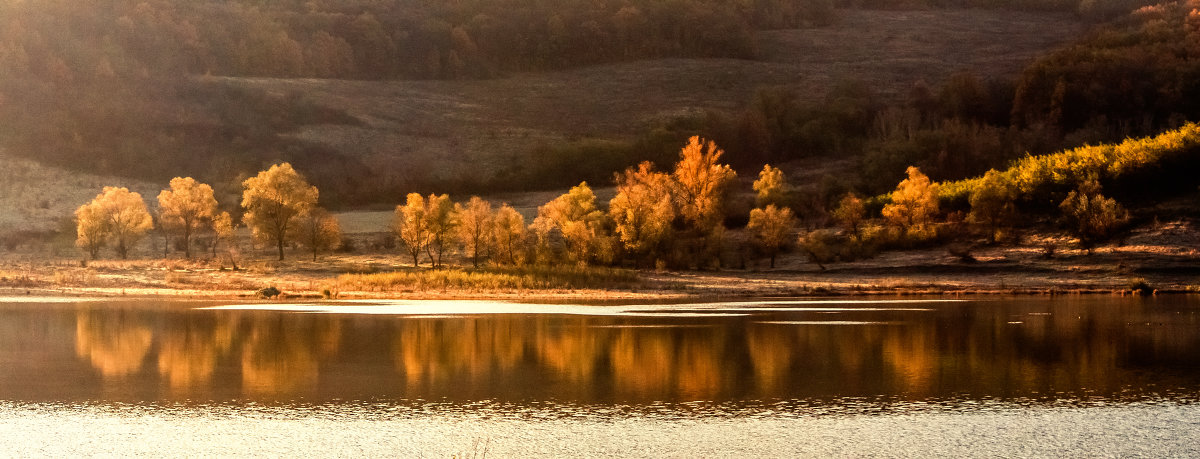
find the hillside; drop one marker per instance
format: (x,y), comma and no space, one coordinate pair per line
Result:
(421,133)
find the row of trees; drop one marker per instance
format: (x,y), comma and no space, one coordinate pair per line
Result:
(279,207)
(674,218)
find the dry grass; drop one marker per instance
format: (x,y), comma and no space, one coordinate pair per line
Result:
(460,279)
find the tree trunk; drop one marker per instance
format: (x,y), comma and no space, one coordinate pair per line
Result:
(772,260)
(280,249)
(122,250)
(187,242)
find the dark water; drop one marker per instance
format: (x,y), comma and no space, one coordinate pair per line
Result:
(464,376)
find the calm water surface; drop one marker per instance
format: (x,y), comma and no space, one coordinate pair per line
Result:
(905,377)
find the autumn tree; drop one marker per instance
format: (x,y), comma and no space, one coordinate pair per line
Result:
(185,208)
(772,228)
(318,230)
(576,218)
(475,222)
(223,231)
(992,202)
(702,181)
(1091,217)
(90,228)
(410,225)
(508,234)
(850,213)
(273,200)
(119,215)
(439,221)
(771,187)
(643,209)
(914,203)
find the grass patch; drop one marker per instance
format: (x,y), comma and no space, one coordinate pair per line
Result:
(497,278)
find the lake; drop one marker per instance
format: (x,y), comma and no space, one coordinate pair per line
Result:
(1020,376)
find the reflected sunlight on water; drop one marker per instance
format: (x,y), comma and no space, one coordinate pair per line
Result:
(772,377)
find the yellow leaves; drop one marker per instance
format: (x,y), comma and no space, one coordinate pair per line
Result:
(116,214)
(578,220)
(643,209)
(772,228)
(186,203)
(914,203)
(273,199)
(474,225)
(509,234)
(771,186)
(185,207)
(702,183)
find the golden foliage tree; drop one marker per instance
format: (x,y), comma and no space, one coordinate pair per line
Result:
(273,200)
(772,228)
(1091,217)
(318,230)
(475,222)
(90,228)
(914,203)
(439,215)
(992,202)
(576,218)
(771,187)
(117,214)
(509,234)
(643,209)
(410,225)
(702,181)
(185,207)
(850,213)
(223,232)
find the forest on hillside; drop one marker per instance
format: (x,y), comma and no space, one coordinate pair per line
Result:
(112,86)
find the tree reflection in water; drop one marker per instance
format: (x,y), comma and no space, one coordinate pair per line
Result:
(1080,347)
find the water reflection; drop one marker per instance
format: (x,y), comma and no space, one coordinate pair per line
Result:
(1027,349)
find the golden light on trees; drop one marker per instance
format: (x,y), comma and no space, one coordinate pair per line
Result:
(702,183)
(410,225)
(575,216)
(90,228)
(771,187)
(914,203)
(992,202)
(223,231)
(273,200)
(319,231)
(772,229)
(643,209)
(850,213)
(439,215)
(509,234)
(475,222)
(116,215)
(185,207)
(425,225)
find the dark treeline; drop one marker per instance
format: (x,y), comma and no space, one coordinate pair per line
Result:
(380,39)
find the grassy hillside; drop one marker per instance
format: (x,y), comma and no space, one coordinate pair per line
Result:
(509,133)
